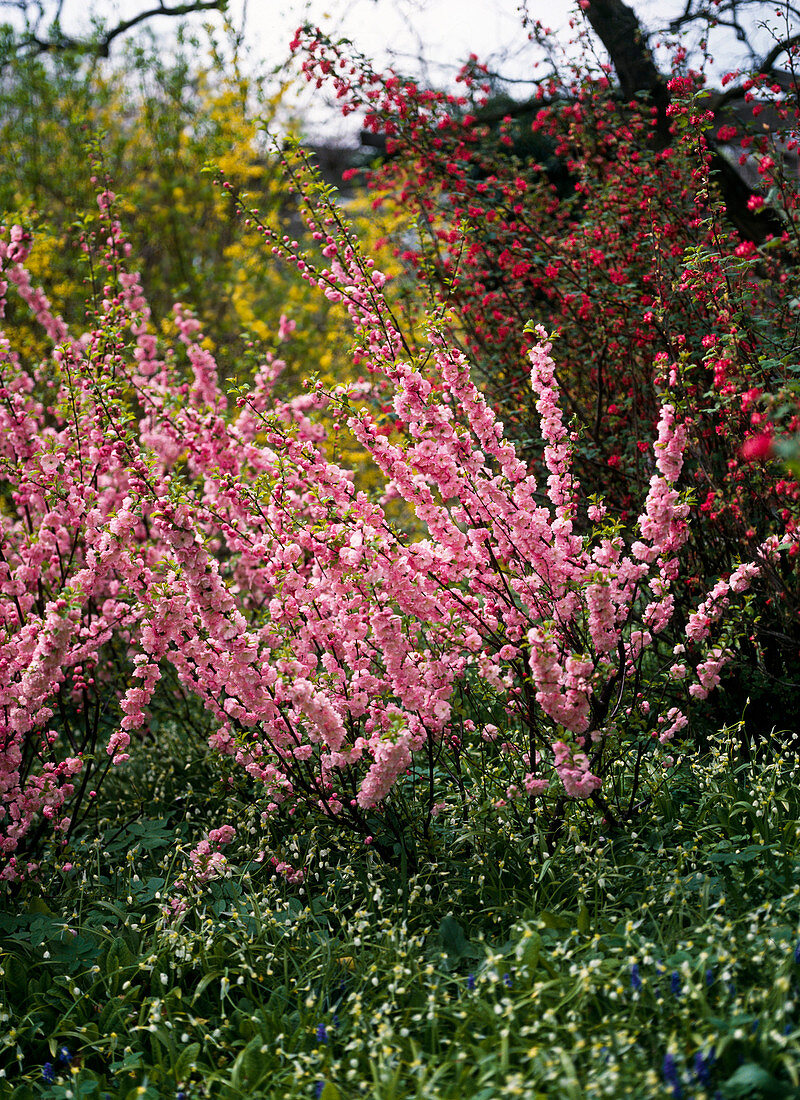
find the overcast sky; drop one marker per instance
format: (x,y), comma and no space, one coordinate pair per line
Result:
(440,32)
(444,32)
(431,38)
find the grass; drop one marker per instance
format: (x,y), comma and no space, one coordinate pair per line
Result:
(664,961)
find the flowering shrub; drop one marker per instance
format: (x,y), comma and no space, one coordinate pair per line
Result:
(151,526)
(500,234)
(604,219)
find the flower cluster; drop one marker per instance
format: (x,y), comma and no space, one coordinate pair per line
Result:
(620,225)
(216,543)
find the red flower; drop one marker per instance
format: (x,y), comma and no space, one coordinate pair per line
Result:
(757,447)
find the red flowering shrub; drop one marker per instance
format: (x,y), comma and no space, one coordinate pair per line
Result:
(637,266)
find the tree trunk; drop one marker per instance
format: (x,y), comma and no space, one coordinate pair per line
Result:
(618,28)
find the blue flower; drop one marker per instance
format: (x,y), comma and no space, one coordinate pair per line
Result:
(507,981)
(64,1056)
(322,1034)
(48,1073)
(636,980)
(471,982)
(797,954)
(318,1089)
(702,1068)
(669,1069)
(709,977)
(675,983)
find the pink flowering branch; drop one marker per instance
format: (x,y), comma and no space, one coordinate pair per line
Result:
(325,645)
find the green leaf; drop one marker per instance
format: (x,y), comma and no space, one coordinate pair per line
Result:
(141,1093)
(454,942)
(16,975)
(37,905)
(188,1058)
(23,1092)
(329,1092)
(250,1066)
(528,951)
(753,1082)
(554,921)
(205,982)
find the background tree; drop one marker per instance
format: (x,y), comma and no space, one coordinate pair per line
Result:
(38,26)
(155,123)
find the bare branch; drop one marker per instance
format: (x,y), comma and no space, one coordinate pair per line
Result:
(780,47)
(726,14)
(32,43)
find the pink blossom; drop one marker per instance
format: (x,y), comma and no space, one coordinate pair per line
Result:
(219,543)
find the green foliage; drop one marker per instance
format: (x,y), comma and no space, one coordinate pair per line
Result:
(479,975)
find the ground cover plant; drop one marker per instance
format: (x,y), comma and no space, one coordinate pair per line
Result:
(394,778)
(658,963)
